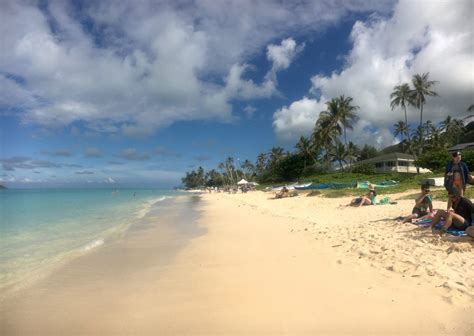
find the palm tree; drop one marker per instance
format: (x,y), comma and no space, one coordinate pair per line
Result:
(422,88)
(346,114)
(453,129)
(248,168)
(261,164)
(400,128)
(327,129)
(339,153)
(401,96)
(276,154)
(305,148)
(353,152)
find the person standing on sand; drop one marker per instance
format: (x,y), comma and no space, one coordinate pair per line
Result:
(456,176)
(460,217)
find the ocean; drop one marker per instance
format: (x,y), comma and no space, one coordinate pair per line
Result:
(42,229)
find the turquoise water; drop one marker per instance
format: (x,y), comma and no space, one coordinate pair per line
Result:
(41,229)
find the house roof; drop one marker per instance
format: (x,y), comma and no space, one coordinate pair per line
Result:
(388,157)
(461,146)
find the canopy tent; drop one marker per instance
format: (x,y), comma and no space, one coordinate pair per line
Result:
(242,181)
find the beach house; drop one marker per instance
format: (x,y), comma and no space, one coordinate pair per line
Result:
(393,162)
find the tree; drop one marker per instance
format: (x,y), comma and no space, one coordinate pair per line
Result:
(339,154)
(434,160)
(194,179)
(328,128)
(214,178)
(346,114)
(305,148)
(422,88)
(276,155)
(261,164)
(453,129)
(248,169)
(400,128)
(470,108)
(353,152)
(401,96)
(368,152)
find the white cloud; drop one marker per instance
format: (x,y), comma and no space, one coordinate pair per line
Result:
(136,67)
(297,119)
(282,55)
(418,38)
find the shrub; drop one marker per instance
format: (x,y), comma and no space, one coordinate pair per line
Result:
(364,168)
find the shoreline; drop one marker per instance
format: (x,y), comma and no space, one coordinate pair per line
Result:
(107,236)
(256,266)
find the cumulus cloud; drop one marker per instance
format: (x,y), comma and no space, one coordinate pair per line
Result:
(388,51)
(134,68)
(282,55)
(297,119)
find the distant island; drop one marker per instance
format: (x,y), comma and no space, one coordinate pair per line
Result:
(3,187)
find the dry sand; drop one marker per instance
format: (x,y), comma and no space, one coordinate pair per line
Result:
(295,266)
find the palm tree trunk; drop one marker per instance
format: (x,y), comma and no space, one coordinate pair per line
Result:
(408,132)
(345,138)
(422,138)
(421,114)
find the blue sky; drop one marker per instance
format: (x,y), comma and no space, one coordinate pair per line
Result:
(125,93)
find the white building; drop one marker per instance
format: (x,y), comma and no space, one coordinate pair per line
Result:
(394,162)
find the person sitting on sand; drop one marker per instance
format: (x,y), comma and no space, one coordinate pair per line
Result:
(423,205)
(368,199)
(460,217)
(283,193)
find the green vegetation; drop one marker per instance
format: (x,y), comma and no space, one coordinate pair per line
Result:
(315,158)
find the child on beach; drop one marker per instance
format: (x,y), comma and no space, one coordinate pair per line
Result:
(423,205)
(368,199)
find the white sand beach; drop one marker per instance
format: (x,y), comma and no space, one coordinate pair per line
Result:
(294,266)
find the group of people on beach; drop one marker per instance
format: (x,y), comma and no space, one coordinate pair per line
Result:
(459,211)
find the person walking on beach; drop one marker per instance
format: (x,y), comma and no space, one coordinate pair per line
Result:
(456,175)
(460,217)
(423,205)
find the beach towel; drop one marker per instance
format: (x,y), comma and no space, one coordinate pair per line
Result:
(385,200)
(452,231)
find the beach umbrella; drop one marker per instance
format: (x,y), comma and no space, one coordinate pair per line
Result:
(242,181)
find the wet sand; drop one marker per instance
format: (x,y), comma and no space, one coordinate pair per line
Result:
(254,266)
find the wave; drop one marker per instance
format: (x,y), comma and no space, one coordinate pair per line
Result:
(149,204)
(93,245)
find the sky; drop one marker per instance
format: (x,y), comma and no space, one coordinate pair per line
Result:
(136,93)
